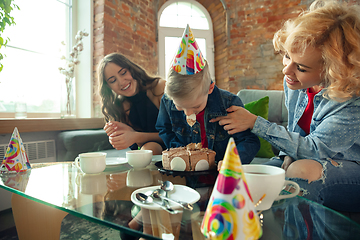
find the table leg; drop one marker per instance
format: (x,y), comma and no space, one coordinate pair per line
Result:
(176,224)
(196,220)
(154,223)
(35,220)
(146,222)
(163,222)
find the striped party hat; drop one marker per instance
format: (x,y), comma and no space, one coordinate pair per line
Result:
(188,59)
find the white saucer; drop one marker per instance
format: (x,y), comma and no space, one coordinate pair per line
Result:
(113,161)
(180,192)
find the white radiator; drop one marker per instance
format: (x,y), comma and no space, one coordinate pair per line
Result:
(40,151)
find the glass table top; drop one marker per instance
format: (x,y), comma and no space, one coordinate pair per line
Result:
(105,199)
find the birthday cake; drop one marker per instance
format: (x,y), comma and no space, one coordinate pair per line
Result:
(190,158)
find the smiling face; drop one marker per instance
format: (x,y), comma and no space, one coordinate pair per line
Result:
(120,80)
(303,71)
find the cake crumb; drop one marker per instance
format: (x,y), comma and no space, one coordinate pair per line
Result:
(191,120)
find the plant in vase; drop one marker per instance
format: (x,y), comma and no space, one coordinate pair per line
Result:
(5,19)
(69,69)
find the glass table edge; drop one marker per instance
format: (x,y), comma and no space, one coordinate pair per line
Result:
(126,229)
(83,216)
(327,208)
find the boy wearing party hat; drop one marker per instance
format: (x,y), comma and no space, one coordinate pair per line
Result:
(191,99)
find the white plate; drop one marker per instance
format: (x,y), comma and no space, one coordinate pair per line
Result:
(157,158)
(113,161)
(180,192)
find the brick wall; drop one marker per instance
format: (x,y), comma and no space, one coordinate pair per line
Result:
(252,62)
(243,31)
(126,26)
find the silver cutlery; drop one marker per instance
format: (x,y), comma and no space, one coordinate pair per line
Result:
(159,193)
(167,186)
(145,199)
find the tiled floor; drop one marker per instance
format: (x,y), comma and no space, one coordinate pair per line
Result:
(8,231)
(6,219)
(7,225)
(71,228)
(9,234)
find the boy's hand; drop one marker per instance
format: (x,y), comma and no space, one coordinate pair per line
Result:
(238,120)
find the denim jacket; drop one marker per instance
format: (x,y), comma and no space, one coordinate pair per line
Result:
(175,132)
(334,129)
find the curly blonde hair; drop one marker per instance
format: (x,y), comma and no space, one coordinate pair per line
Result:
(334,29)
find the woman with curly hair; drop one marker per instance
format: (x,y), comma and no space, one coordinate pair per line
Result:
(320,149)
(130,103)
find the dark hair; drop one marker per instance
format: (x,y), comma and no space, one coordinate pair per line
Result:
(112,104)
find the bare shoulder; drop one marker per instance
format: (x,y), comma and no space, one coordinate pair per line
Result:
(157,92)
(159,88)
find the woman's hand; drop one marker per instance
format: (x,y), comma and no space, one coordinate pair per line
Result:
(110,127)
(121,136)
(238,120)
(287,161)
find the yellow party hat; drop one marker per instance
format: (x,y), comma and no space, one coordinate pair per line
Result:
(15,159)
(188,59)
(230,213)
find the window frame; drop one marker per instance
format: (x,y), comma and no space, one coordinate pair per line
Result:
(178,32)
(81,19)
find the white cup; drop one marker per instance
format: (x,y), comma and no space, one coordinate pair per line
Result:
(139,158)
(265,183)
(93,162)
(92,183)
(139,177)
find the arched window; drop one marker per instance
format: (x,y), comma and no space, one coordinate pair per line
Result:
(172,18)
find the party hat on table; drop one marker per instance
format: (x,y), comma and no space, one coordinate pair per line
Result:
(188,60)
(15,159)
(230,213)
(17,181)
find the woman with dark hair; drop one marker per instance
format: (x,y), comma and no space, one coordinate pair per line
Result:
(130,103)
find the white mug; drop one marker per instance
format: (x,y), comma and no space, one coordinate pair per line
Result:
(265,183)
(93,162)
(139,158)
(139,177)
(92,183)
